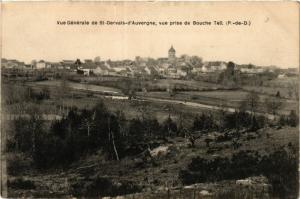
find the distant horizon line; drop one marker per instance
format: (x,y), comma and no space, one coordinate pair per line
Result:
(105,60)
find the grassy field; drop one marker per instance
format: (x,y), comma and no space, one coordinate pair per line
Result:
(283,85)
(78,86)
(221,98)
(167,83)
(282,82)
(77,95)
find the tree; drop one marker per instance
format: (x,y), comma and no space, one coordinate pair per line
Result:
(88,121)
(293,118)
(278,94)
(78,63)
(252,102)
(64,88)
(129,89)
(192,138)
(290,92)
(23,134)
(45,92)
(204,122)
(151,62)
(173,92)
(122,122)
(207,141)
(221,114)
(182,124)
(196,61)
(36,128)
(144,111)
(169,126)
(293,88)
(136,130)
(231,121)
(153,126)
(111,135)
(272,105)
(193,62)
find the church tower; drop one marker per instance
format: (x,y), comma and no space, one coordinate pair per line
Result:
(172,54)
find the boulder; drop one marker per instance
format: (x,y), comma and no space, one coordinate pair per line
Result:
(205,193)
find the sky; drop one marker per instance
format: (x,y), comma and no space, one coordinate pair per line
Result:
(30,31)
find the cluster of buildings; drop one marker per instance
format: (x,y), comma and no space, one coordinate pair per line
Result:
(168,67)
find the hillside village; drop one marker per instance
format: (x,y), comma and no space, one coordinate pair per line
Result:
(174,67)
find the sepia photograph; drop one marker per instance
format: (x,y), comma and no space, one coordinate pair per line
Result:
(150,100)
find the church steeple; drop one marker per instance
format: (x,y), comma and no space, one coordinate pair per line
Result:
(172,54)
(172,49)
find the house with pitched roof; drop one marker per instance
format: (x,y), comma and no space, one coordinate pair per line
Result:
(41,64)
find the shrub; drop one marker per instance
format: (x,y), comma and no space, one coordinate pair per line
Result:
(18,163)
(204,122)
(280,167)
(169,127)
(102,186)
(293,119)
(203,170)
(20,183)
(281,170)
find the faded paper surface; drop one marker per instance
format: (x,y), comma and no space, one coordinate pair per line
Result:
(30,31)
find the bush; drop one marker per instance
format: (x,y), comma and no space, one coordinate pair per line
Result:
(20,183)
(280,167)
(169,127)
(203,170)
(18,164)
(102,186)
(204,122)
(281,170)
(194,97)
(291,120)
(240,119)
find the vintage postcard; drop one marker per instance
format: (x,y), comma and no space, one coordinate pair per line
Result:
(150,100)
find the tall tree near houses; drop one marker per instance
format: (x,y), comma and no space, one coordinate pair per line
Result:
(112,137)
(121,121)
(144,111)
(145,117)
(88,122)
(77,63)
(64,88)
(196,61)
(290,92)
(180,123)
(221,115)
(252,103)
(35,127)
(293,89)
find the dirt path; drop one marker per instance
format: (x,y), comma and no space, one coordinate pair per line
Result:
(205,106)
